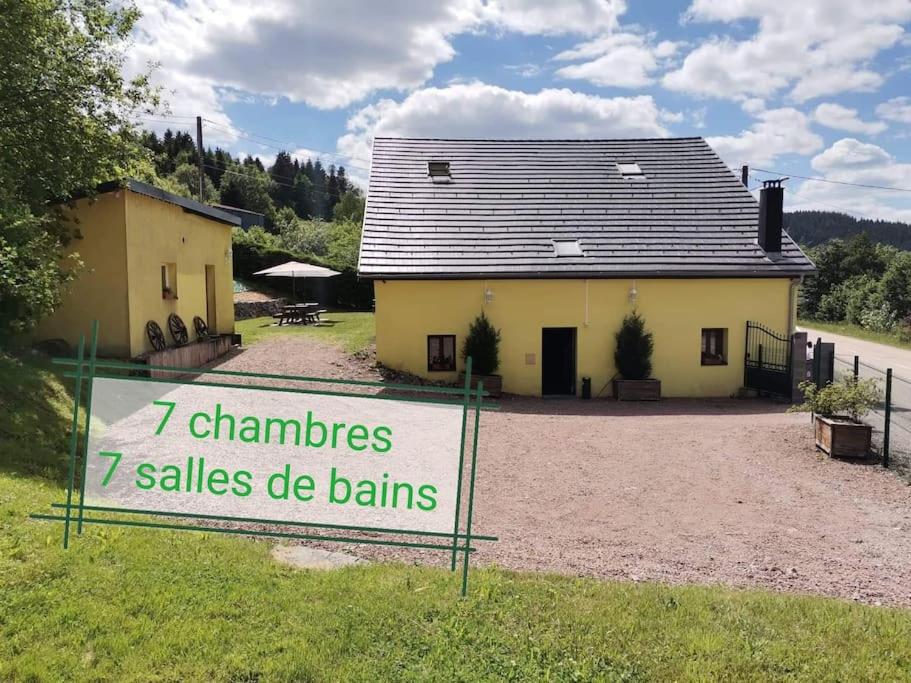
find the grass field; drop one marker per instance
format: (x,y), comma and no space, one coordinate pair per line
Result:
(849,330)
(131,604)
(353,331)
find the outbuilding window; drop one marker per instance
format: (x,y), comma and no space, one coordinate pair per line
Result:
(714,346)
(441,353)
(168,280)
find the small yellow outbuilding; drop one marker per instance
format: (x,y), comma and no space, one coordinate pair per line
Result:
(556,241)
(147,254)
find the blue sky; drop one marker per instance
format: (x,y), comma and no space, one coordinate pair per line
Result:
(818,88)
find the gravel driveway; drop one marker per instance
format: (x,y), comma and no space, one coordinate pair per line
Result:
(682,491)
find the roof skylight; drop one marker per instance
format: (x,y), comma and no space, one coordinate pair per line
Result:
(567,248)
(630,170)
(439,171)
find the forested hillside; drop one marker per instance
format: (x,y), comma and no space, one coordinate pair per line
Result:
(313,213)
(815,227)
(308,189)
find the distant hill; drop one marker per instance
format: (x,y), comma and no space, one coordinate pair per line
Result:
(815,227)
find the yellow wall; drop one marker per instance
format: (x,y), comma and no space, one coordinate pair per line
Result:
(126,239)
(674,310)
(159,233)
(98,291)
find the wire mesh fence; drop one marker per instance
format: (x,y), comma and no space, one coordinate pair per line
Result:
(891,445)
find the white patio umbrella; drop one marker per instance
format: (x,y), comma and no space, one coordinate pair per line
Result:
(296,269)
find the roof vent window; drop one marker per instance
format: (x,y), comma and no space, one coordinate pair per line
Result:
(567,248)
(631,170)
(439,171)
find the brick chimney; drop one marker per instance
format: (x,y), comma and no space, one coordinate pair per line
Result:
(771,216)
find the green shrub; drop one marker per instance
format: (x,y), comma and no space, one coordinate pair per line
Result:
(879,319)
(633,355)
(847,396)
(483,345)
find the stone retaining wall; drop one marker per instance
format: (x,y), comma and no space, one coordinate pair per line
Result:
(257,309)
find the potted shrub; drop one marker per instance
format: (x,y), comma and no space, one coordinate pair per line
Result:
(837,409)
(483,345)
(633,360)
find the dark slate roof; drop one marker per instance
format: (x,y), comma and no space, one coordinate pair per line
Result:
(509,199)
(190,205)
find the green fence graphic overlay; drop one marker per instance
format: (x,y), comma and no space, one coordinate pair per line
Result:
(76,511)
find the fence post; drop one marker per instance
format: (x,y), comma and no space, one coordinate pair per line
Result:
(888,417)
(856,367)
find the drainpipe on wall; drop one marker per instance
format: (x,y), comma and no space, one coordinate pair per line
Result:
(586,304)
(792,303)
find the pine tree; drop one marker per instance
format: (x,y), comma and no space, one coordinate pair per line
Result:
(282,173)
(633,355)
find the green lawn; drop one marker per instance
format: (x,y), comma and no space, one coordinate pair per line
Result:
(851,330)
(353,331)
(130,604)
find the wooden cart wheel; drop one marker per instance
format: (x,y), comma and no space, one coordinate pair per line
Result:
(178,329)
(156,336)
(202,330)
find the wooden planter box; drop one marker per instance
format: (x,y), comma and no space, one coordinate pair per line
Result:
(842,437)
(493,384)
(637,389)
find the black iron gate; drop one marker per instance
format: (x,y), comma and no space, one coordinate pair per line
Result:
(767,366)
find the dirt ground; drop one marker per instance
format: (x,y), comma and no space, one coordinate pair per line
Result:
(680,491)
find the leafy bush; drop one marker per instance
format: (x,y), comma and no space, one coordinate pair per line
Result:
(879,319)
(483,345)
(850,299)
(847,396)
(633,355)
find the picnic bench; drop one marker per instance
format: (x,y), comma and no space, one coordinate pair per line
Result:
(300,314)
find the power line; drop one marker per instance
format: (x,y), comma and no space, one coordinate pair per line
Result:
(851,212)
(258,139)
(836,182)
(831,206)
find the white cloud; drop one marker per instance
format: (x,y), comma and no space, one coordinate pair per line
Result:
(777,132)
(813,47)
(835,116)
(851,161)
(478,110)
(539,17)
(848,157)
(526,70)
(698,116)
(753,105)
(832,80)
(623,60)
(896,109)
(328,56)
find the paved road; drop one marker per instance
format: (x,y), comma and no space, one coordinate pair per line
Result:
(880,356)
(875,358)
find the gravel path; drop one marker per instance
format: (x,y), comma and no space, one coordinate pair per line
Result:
(682,491)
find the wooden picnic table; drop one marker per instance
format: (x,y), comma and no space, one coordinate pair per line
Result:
(299,314)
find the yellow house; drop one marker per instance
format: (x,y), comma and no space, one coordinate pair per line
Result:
(147,254)
(556,242)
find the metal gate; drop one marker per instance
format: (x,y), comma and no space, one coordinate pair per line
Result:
(767,366)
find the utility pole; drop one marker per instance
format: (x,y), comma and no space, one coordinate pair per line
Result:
(199,156)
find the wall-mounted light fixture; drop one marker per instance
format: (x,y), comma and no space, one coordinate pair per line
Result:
(228,254)
(633,295)
(488,295)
